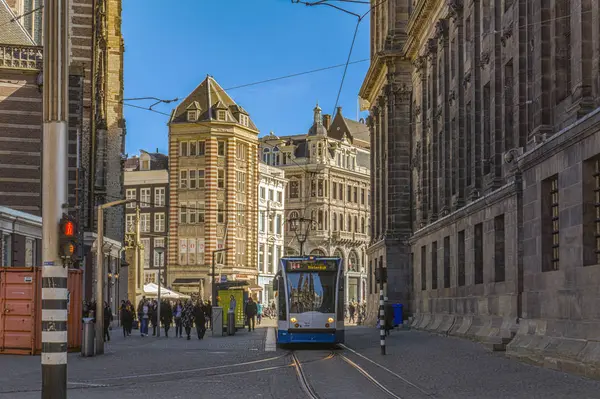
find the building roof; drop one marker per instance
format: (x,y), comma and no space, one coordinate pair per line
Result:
(12,32)
(158,161)
(354,130)
(207,98)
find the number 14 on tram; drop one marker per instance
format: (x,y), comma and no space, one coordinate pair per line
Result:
(310,300)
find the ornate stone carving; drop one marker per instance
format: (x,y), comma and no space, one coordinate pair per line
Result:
(439,111)
(381,100)
(455,8)
(403,93)
(467,79)
(370,121)
(415,161)
(451,96)
(441,29)
(431,49)
(417,110)
(484,59)
(507,33)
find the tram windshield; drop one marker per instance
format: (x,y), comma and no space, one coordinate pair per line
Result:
(312,292)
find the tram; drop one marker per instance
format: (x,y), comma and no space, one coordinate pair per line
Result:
(310,300)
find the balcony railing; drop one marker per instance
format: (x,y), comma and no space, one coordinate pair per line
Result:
(20,57)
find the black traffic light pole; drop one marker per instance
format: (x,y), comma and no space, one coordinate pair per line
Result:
(381,277)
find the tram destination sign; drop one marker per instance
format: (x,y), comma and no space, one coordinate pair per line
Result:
(329,265)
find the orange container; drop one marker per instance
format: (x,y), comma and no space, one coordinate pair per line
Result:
(21,310)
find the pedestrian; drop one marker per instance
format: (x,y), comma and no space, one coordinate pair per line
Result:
(177,313)
(259,314)
(123,317)
(108,318)
(187,317)
(388,312)
(154,317)
(200,319)
(209,313)
(251,311)
(166,316)
(145,318)
(130,316)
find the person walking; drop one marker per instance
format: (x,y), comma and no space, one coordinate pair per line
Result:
(251,311)
(166,316)
(144,318)
(200,319)
(187,317)
(259,314)
(108,318)
(154,316)
(177,313)
(123,317)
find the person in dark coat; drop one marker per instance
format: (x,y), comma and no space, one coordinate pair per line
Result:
(187,317)
(166,316)
(251,311)
(154,317)
(388,311)
(123,317)
(108,318)
(200,319)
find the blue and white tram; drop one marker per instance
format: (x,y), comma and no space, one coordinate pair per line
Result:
(310,300)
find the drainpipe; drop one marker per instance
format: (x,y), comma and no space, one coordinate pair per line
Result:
(12,242)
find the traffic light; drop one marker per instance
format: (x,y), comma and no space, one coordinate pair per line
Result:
(67,240)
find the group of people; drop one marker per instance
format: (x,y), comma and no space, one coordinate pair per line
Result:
(183,315)
(89,311)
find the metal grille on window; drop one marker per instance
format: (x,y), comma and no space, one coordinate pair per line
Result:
(555,213)
(597,206)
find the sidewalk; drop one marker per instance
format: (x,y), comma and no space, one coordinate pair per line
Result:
(449,367)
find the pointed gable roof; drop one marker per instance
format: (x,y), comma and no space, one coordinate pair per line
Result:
(209,96)
(11,31)
(355,131)
(194,106)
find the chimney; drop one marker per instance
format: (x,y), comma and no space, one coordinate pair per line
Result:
(327,121)
(157,150)
(339,110)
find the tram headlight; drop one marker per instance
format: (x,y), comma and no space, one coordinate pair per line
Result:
(330,320)
(293,320)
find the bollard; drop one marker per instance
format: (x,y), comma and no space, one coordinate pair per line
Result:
(230,323)
(89,335)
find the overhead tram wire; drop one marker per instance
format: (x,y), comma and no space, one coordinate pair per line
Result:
(17,17)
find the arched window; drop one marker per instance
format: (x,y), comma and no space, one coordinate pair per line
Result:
(267,156)
(275,156)
(353,264)
(289,251)
(291,218)
(349,227)
(317,252)
(334,222)
(338,253)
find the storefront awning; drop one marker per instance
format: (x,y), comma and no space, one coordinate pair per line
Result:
(255,287)
(187,281)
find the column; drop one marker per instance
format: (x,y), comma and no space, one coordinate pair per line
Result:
(582,53)
(459,141)
(230,194)
(444,109)
(210,189)
(432,116)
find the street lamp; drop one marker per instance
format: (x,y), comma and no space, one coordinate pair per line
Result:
(100,274)
(301,227)
(159,251)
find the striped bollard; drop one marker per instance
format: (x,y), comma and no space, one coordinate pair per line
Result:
(381,321)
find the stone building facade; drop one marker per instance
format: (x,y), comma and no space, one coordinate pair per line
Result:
(504,98)
(147,182)
(328,182)
(96,125)
(213,182)
(271,226)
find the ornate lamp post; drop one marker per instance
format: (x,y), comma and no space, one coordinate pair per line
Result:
(159,251)
(301,227)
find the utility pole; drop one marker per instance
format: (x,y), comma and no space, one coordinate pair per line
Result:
(54,197)
(160,251)
(100,273)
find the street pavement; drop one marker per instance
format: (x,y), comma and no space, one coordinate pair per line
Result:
(417,365)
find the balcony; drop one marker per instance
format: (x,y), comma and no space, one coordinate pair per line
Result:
(21,57)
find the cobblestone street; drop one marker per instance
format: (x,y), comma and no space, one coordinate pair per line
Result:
(418,365)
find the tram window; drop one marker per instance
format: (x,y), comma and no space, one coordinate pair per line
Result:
(282,305)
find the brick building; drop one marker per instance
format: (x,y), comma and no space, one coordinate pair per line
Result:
(147,181)
(502,99)
(96,125)
(213,181)
(328,182)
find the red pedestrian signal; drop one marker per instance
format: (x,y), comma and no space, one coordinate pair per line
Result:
(67,240)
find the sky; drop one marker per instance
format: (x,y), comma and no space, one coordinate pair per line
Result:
(169,51)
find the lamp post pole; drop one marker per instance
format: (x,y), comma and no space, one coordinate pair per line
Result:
(100,273)
(301,227)
(159,251)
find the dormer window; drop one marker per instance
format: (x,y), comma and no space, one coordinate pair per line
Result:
(221,115)
(145,164)
(192,116)
(243,119)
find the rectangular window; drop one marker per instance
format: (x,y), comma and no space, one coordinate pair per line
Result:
(200,251)
(145,200)
(146,245)
(183,213)
(478,253)
(130,222)
(262,193)
(200,212)
(341,192)
(193,180)
(191,212)
(270,195)
(279,197)
(499,267)
(320,191)
(447,267)
(261,221)
(241,214)
(159,197)
(145,223)
(355,193)
(183,149)
(270,260)
(183,259)
(434,265)
(362,196)
(313,188)
(278,225)
(201,148)
(221,178)
(159,259)
(334,190)
(201,181)
(183,179)
(241,182)
(159,222)
(294,189)
(220,212)
(349,193)
(550,214)
(261,258)
(242,151)
(131,194)
(30,251)
(221,115)
(192,148)
(461,258)
(221,148)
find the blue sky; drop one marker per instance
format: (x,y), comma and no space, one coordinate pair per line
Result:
(169,50)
